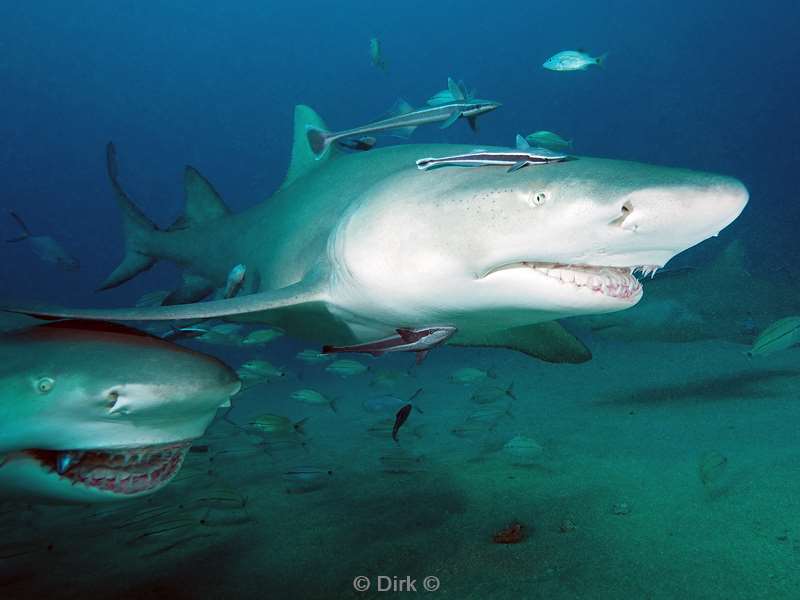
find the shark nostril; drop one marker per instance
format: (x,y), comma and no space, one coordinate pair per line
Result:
(626,211)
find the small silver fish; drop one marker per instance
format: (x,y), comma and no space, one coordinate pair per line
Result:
(467,375)
(376,54)
(548,139)
(313,397)
(313,357)
(573,60)
(235,281)
(523,450)
(490,394)
(782,334)
(523,156)
(261,336)
(45,247)
(278,424)
(304,479)
(346,368)
(389,403)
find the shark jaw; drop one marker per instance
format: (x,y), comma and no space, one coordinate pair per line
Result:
(618,283)
(97,412)
(124,472)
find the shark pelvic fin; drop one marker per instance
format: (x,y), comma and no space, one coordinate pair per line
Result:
(311,145)
(137,229)
(548,341)
(202,203)
(193,289)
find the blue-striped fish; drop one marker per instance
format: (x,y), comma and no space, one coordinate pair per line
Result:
(522,156)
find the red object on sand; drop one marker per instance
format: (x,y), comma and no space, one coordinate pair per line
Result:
(510,535)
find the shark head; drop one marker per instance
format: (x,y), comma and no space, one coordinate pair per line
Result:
(92,411)
(482,247)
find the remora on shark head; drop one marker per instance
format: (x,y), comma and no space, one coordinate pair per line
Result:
(353,246)
(95,411)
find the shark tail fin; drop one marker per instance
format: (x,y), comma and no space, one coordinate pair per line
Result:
(311,145)
(137,228)
(601,60)
(25,231)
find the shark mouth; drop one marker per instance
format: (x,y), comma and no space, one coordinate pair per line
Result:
(613,282)
(123,471)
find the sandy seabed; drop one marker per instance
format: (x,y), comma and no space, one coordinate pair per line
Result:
(667,471)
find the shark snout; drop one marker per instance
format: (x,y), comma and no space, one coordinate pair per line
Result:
(677,217)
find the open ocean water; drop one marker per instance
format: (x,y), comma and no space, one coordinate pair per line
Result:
(667,466)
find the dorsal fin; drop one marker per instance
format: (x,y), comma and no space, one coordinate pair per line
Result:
(303,159)
(202,202)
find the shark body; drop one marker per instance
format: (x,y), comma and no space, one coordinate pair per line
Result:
(353,246)
(95,411)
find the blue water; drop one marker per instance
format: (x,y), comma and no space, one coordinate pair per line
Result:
(709,86)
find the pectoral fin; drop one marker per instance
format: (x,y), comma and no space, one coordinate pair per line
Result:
(548,341)
(517,166)
(451,119)
(309,292)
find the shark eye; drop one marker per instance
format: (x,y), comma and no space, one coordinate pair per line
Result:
(44,385)
(536,198)
(112,397)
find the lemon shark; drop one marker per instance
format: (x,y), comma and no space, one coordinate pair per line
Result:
(353,246)
(94,411)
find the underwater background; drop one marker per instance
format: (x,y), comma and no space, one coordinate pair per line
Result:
(620,506)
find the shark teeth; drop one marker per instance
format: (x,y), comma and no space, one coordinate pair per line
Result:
(614,282)
(121,471)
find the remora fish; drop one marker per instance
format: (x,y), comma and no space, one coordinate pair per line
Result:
(45,247)
(406,119)
(420,341)
(348,234)
(95,411)
(573,60)
(514,159)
